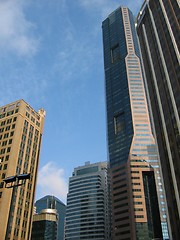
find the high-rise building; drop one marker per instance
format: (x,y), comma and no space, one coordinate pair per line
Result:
(138,203)
(51,202)
(87,214)
(158,28)
(45,225)
(21,130)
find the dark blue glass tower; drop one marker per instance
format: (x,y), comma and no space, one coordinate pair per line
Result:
(134,166)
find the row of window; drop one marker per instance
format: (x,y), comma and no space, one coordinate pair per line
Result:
(8,121)
(5,150)
(7,128)
(9,113)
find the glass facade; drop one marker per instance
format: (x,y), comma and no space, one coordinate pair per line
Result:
(132,147)
(87,215)
(45,225)
(51,202)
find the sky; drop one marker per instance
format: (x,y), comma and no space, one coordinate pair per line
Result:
(52,57)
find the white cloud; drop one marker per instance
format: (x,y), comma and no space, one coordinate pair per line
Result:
(16,31)
(51,181)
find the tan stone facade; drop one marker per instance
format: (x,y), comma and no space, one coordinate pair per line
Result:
(21,129)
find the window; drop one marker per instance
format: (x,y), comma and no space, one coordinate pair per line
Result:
(10,113)
(4,143)
(136,190)
(7,128)
(138,203)
(6,135)
(135,177)
(139,216)
(3,123)
(25,123)
(11,134)
(27,114)
(9,120)
(2,151)
(115,53)
(5,166)
(32,119)
(1,129)
(2,115)
(8,149)
(119,123)
(139,209)
(3,175)
(137,196)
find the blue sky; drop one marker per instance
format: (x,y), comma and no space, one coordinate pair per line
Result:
(52,57)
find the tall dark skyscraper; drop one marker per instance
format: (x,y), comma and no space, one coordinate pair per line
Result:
(138,203)
(158,30)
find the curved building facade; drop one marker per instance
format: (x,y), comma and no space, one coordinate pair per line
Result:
(87,215)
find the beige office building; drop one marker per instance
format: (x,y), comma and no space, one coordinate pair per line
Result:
(21,130)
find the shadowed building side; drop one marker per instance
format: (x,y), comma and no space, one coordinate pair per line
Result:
(158,32)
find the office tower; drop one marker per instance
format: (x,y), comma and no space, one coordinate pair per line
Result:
(21,130)
(51,202)
(159,33)
(136,182)
(45,225)
(87,214)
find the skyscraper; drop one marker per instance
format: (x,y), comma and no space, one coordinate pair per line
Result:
(159,36)
(87,214)
(51,202)
(45,225)
(21,130)
(136,184)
